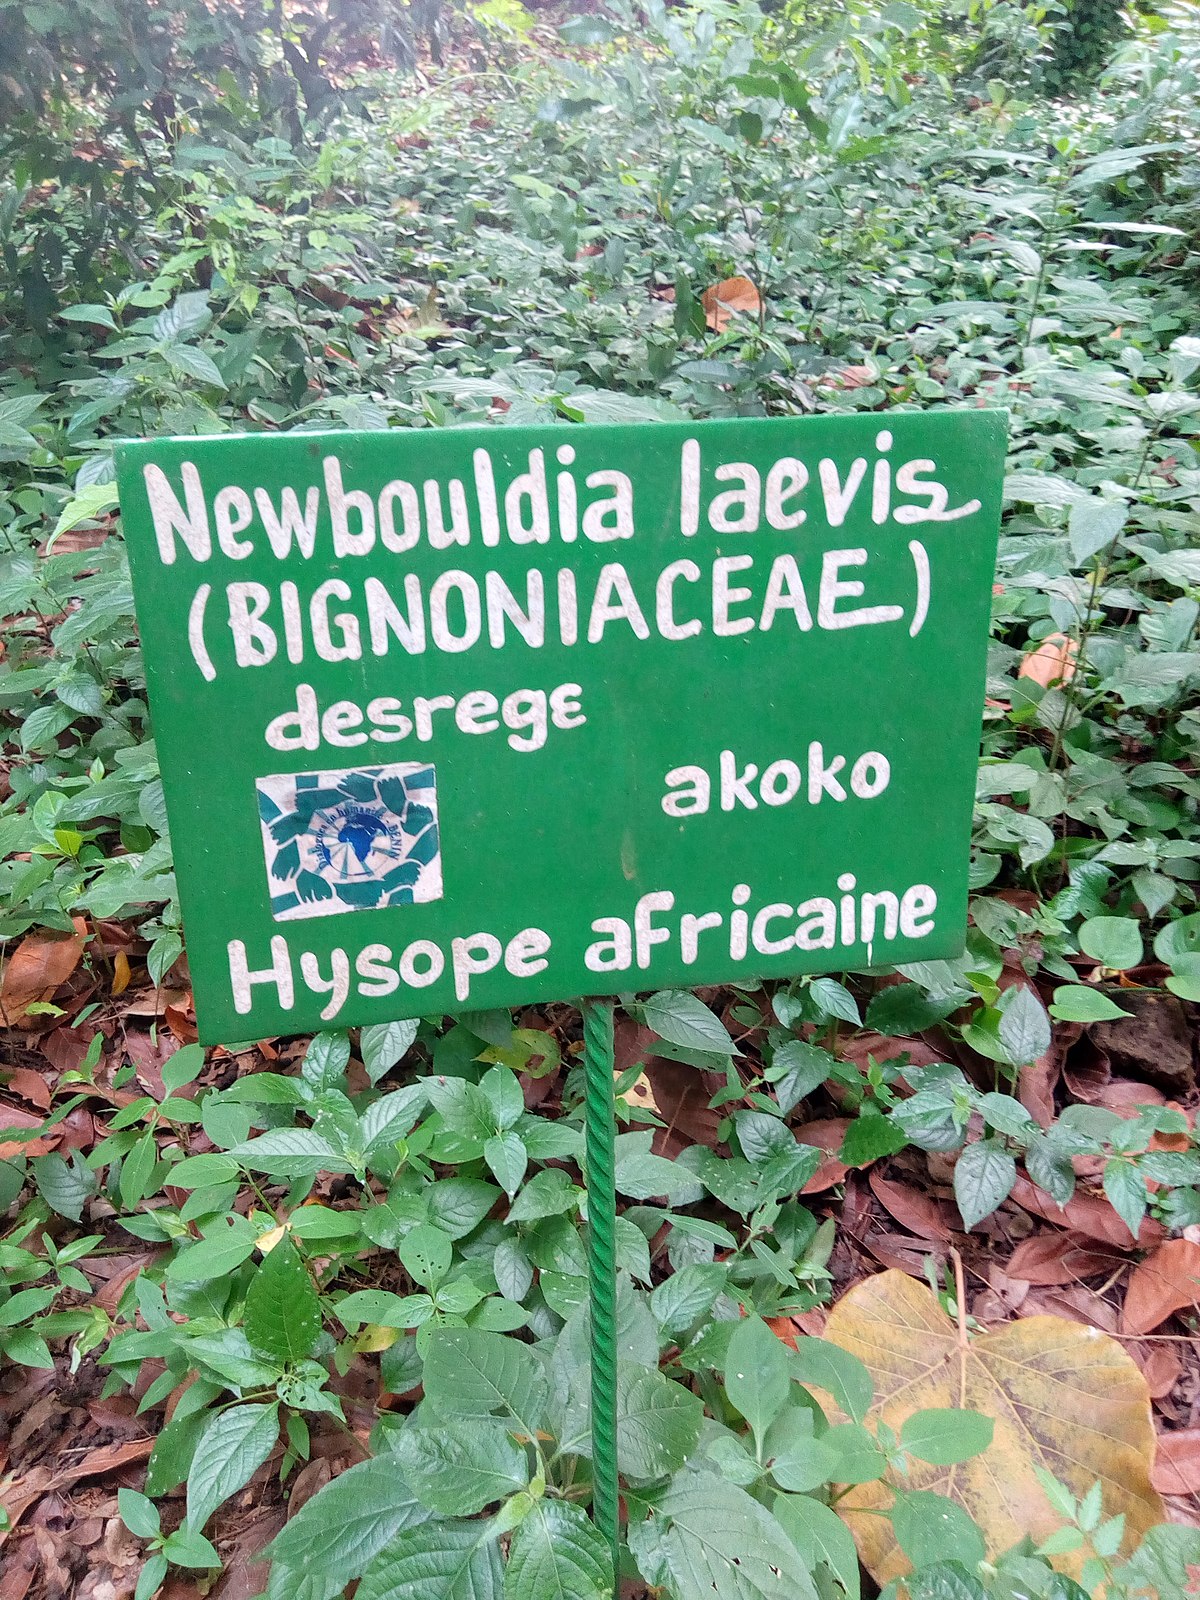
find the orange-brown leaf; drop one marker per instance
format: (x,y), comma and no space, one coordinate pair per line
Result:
(721,300)
(1177,1463)
(1165,1282)
(35,970)
(1052,662)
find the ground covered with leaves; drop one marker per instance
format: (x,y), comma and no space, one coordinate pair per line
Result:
(909,1259)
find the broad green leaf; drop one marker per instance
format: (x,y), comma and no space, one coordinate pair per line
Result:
(658,1423)
(224,1246)
(384,1044)
(457,1468)
(436,1561)
(558,1553)
(1024,1028)
(757,1374)
(289,1153)
(391,1118)
(283,1313)
(1125,1188)
(507,1160)
(473,1374)
(1114,942)
(944,1437)
(929,1527)
(230,1451)
(343,1527)
(983,1178)
(1077,1002)
(708,1540)
(796,1069)
(1093,525)
(679,1017)
(818,1364)
(820,1535)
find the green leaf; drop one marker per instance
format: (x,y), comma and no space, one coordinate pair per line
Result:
(930,1527)
(473,1374)
(1024,1029)
(507,1160)
(547,1194)
(1114,942)
(679,1017)
(1126,1191)
(820,1535)
(558,1553)
(391,1118)
(819,1364)
(187,1548)
(65,1187)
(283,1313)
(436,1561)
(833,999)
(757,1375)
(99,315)
(658,1423)
(983,1177)
(384,1044)
(944,1437)
(457,1468)
(139,1514)
(1077,1002)
(427,1253)
(184,1067)
(1178,938)
(1093,525)
(325,1061)
(708,1540)
(797,1068)
(224,1246)
(869,1137)
(349,1522)
(230,1451)
(903,1009)
(685,1296)
(188,362)
(289,1153)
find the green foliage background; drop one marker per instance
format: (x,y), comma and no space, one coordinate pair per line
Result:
(244,219)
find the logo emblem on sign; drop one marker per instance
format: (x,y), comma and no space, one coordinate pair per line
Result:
(350,841)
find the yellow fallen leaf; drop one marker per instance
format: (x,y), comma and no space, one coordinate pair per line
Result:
(373,1338)
(120,972)
(1052,662)
(266,1242)
(1063,1397)
(721,300)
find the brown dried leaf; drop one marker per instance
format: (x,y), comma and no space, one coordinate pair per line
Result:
(1062,1397)
(31,1086)
(1161,1367)
(721,300)
(1163,1283)
(1052,662)
(1177,1463)
(1053,1258)
(1084,1213)
(36,969)
(827,1134)
(914,1210)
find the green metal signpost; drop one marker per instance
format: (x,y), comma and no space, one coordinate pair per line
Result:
(452,719)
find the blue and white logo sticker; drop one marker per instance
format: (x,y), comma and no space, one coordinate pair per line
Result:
(350,841)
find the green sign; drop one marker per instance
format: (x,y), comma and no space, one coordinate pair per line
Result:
(453,719)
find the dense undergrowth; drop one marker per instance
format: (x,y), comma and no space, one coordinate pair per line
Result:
(710,212)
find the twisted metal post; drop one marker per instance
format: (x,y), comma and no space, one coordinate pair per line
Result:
(602,1265)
